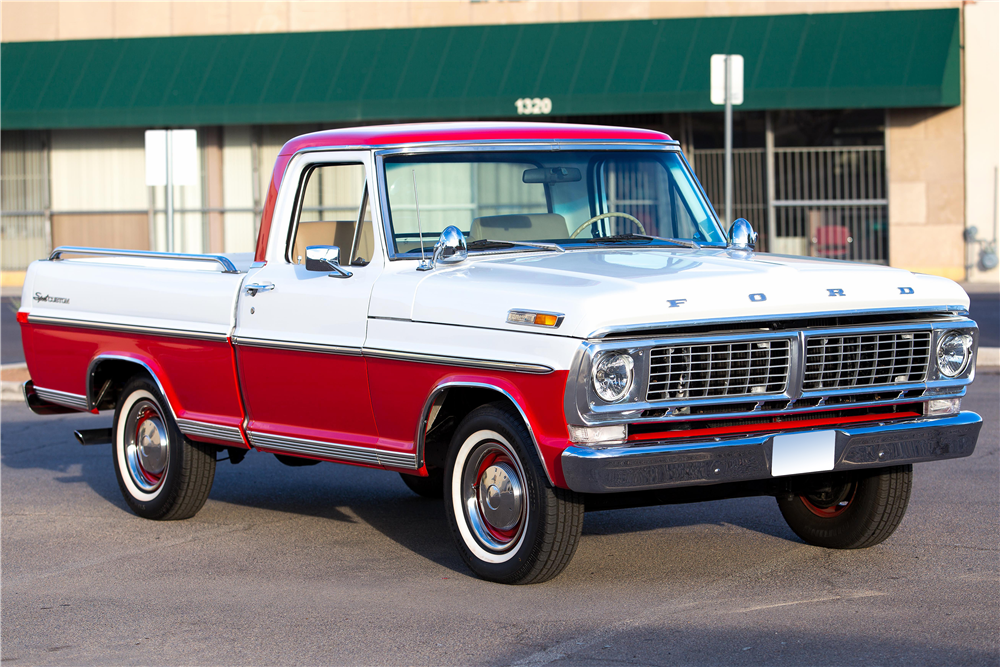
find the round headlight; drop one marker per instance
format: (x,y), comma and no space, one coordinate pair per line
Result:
(954,351)
(613,376)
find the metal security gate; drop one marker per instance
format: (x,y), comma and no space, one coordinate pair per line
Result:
(831,202)
(749,184)
(824,202)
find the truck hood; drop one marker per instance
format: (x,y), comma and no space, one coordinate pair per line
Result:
(601,288)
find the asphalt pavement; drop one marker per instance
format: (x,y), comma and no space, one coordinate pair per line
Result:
(984,308)
(331,564)
(10,331)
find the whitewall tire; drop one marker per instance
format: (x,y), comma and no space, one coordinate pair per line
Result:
(510,525)
(162,474)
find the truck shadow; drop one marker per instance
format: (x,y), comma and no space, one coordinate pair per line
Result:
(717,632)
(337,493)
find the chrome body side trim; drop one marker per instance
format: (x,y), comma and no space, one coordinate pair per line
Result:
(331,450)
(206,430)
(396,355)
(299,347)
(665,465)
(440,390)
(487,364)
(125,328)
(64,398)
(39,406)
(225,262)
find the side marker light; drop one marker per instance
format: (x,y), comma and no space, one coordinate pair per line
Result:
(533,318)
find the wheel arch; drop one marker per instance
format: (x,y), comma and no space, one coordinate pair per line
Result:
(455,399)
(119,368)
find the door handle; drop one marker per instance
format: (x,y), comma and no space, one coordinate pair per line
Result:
(253,288)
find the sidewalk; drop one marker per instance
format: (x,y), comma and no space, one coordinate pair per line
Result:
(12,376)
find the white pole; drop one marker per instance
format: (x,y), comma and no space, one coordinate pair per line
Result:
(170,191)
(772,223)
(729,140)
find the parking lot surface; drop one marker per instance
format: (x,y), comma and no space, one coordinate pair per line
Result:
(337,565)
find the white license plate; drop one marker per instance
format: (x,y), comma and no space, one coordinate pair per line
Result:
(798,453)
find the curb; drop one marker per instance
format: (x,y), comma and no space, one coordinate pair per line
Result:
(10,390)
(988,359)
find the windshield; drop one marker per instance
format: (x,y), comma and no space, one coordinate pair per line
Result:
(564,197)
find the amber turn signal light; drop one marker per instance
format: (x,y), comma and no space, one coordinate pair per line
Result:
(545,320)
(534,319)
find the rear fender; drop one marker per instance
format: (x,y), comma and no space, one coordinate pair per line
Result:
(97,370)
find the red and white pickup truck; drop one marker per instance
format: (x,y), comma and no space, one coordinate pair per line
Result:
(528,319)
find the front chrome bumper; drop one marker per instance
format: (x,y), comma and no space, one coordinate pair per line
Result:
(662,465)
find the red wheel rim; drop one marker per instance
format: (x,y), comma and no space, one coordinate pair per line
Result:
(493,499)
(144,415)
(146,446)
(830,511)
(500,535)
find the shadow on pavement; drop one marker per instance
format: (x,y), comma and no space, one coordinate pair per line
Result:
(739,636)
(325,491)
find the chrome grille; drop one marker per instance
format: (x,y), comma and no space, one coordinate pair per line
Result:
(747,368)
(866,360)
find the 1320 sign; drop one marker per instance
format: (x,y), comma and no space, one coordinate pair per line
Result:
(533,106)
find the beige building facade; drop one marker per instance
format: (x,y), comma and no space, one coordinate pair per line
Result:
(38,21)
(941,162)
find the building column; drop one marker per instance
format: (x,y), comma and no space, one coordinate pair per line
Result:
(926,190)
(212,143)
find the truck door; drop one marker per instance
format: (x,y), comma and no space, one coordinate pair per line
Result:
(300,333)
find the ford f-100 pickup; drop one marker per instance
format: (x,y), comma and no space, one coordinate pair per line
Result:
(528,320)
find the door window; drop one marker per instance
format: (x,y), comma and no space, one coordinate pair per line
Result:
(333,209)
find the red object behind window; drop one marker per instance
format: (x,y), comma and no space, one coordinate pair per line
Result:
(832,241)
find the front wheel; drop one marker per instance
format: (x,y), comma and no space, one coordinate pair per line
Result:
(162,474)
(511,526)
(853,514)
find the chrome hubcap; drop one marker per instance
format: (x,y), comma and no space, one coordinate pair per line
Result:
(500,496)
(495,507)
(147,446)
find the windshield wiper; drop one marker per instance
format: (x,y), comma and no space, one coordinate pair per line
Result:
(624,238)
(487,244)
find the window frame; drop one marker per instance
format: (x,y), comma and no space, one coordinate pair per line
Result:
(300,192)
(514,146)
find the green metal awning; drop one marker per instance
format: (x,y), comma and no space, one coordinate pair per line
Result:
(850,60)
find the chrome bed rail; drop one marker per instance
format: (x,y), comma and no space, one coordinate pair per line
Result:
(227,264)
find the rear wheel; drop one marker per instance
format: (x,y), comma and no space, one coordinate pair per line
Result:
(510,525)
(162,474)
(854,514)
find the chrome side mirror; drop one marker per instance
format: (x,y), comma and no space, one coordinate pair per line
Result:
(450,247)
(325,258)
(741,235)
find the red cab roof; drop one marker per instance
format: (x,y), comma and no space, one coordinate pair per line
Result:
(416,133)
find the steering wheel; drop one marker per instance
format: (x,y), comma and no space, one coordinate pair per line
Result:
(611,214)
